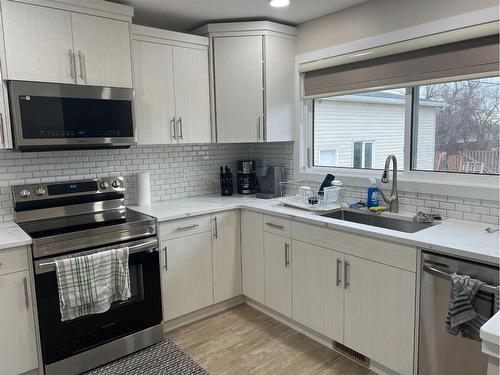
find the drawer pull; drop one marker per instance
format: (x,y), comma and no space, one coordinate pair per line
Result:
(275,226)
(189,227)
(26,296)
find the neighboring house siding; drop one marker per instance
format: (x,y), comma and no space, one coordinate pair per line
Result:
(338,124)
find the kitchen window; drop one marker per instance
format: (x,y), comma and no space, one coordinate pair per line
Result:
(453,127)
(435,108)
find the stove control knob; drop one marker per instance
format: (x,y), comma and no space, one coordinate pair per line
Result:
(104,185)
(115,184)
(40,191)
(24,193)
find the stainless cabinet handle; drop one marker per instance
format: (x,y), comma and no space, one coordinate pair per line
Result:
(216,228)
(287,259)
(263,131)
(81,62)
(72,65)
(180,128)
(275,226)
(339,281)
(172,124)
(258,129)
(26,296)
(188,227)
(165,258)
(346,276)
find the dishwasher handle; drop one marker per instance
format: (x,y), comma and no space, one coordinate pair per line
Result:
(447,276)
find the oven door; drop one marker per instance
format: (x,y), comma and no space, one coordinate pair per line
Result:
(60,340)
(57,116)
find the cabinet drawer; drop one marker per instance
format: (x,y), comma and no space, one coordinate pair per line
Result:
(381,251)
(277,225)
(184,227)
(13,260)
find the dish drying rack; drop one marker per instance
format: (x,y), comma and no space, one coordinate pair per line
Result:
(298,194)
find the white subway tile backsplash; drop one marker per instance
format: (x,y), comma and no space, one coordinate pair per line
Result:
(179,171)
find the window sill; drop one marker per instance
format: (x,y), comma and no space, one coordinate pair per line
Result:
(466,186)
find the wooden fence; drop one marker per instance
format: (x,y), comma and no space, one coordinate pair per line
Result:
(481,161)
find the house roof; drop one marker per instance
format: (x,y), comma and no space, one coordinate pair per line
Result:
(384,97)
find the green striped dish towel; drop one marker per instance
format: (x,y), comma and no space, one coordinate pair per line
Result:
(89,284)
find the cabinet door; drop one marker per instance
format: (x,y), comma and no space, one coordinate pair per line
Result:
(38,43)
(379,303)
(5,133)
(102,48)
(18,344)
(187,274)
(192,96)
(239,98)
(318,294)
(252,252)
(154,103)
(278,273)
(280,81)
(226,255)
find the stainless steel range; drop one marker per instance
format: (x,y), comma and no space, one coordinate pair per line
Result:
(69,219)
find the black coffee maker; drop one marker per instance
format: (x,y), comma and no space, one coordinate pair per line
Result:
(247,179)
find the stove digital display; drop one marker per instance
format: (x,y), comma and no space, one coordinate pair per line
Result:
(73,187)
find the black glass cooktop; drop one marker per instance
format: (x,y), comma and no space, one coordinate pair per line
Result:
(68,224)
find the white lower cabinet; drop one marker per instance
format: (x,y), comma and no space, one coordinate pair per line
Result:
(278,273)
(379,308)
(187,274)
(226,255)
(252,253)
(318,292)
(200,260)
(17,331)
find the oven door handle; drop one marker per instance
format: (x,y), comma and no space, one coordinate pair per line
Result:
(132,249)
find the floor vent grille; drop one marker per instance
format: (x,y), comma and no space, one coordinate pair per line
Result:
(354,355)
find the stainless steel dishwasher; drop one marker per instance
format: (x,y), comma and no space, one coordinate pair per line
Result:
(439,352)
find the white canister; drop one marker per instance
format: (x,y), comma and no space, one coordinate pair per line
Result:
(143,189)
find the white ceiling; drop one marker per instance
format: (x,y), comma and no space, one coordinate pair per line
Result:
(185,15)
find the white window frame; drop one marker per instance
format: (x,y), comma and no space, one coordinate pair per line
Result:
(429,182)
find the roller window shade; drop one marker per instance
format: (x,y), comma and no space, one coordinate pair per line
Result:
(471,57)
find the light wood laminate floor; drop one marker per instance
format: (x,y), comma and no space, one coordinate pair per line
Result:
(243,340)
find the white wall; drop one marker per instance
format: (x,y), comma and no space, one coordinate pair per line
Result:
(338,124)
(379,16)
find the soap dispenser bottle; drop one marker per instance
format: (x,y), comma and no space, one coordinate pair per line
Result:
(373,194)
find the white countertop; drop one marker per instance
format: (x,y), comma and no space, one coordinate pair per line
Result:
(11,235)
(454,237)
(490,334)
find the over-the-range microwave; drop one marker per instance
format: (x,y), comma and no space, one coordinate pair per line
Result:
(48,116)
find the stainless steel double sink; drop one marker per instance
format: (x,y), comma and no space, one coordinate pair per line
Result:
(376,220)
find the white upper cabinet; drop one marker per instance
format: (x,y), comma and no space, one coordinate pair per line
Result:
(172,99)
(45,44)
(154,101)
(38,43)
(102,48)
(253,80)
(192,98)
(238,80)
